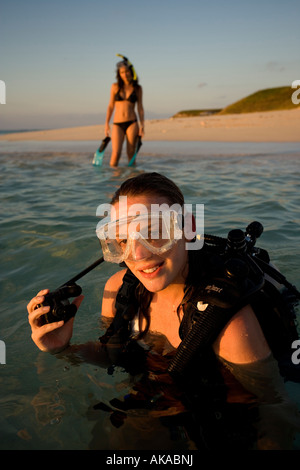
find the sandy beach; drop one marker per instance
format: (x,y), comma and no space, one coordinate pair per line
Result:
(272,126)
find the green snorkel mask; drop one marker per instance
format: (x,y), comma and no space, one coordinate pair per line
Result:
(129,65)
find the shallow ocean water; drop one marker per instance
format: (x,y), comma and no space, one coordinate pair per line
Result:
(49,196)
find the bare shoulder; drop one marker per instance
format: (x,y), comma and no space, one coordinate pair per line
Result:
(114,89)
(111,288)
(242,340)
(115,281)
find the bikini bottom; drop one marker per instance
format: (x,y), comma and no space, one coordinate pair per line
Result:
(124,125)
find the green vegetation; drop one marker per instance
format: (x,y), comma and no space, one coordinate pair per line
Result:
(196,112)
(271,99)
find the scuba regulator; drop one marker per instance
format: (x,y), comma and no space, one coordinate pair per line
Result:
(58,300)
(60,307)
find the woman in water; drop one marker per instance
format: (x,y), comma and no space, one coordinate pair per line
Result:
(124,95)
(233,382)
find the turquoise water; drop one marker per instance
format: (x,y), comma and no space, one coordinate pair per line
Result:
(49,196)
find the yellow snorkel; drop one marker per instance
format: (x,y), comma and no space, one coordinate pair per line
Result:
(130,64)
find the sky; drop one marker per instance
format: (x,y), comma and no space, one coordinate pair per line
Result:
(58,58)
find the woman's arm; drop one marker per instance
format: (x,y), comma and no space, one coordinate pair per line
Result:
(111,289)
(249,359)
(242,340)
(140,109)
(110,109)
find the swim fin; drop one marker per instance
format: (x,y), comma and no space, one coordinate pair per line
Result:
(99,154)
(137,148)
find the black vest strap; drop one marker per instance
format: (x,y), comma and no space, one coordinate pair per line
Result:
(225,291)
(126,308)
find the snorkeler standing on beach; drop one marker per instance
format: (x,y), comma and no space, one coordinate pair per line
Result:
(125,93)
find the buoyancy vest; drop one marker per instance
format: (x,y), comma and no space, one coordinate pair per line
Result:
(225,275)
(230,284)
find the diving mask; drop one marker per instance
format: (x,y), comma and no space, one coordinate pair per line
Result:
(133,237)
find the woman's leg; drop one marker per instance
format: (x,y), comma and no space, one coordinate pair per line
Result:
(117,139)
(131,135)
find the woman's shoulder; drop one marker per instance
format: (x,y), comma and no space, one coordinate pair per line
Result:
(111,289)
(115,281)
(242,339)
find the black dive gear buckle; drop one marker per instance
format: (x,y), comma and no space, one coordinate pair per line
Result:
(58,300)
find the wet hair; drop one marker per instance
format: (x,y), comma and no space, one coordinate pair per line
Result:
(151,184)
(121,64)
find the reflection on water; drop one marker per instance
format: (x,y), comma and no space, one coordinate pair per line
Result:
(50,193)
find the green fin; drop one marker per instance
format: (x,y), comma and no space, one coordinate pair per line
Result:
(99,154)
(138,146)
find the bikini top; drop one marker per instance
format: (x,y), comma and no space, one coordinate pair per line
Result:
(132,97)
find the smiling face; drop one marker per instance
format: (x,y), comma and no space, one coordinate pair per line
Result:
(155,271)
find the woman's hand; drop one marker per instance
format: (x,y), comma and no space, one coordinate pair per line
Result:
(52,337)
(107,130)
(141,131)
